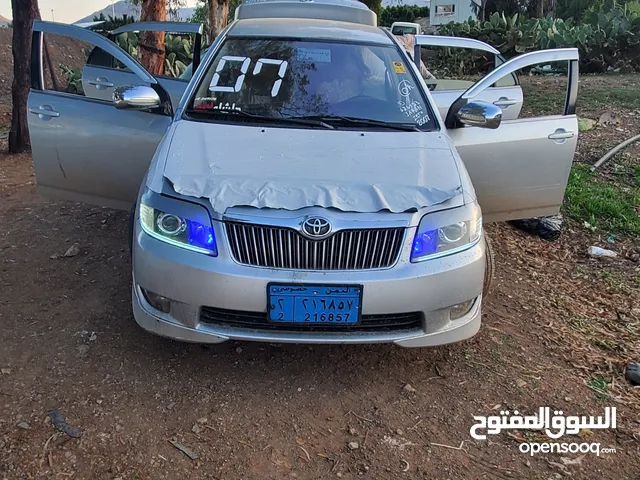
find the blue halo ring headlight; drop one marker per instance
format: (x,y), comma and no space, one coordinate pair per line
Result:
(170,225)
(190,231)
(447,232)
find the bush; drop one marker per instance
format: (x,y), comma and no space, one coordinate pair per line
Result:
(401,13)
(111,23)
(605,41)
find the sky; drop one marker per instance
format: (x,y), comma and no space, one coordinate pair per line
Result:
(66,11)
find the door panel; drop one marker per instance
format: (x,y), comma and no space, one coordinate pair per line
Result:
(517,170)
(83,148)
(90,151)
(505,91)
(521,169)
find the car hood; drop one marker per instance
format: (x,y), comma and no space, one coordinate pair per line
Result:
(293,168)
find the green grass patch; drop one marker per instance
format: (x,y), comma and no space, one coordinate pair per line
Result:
(609,207)
(601,98)
(600,387)
(549,100)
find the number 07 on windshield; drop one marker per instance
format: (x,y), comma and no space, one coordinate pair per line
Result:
(246,61)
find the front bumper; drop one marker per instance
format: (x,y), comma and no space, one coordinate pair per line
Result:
(193,281)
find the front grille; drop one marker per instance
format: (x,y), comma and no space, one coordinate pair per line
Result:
(392,322)
(280,247)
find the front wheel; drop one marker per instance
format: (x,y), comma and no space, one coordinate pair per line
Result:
(489,267)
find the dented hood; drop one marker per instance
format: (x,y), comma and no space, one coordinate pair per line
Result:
(293,168)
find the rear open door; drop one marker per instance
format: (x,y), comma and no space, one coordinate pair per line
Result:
(520,170)
(102,74)
(83,148)
(505,93)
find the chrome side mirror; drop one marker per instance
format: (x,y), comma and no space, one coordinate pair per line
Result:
(480,114)
(135,97)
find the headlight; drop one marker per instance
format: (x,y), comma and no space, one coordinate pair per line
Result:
(447,232)
(185,230)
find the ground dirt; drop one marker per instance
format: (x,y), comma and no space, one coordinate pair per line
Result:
(556,332)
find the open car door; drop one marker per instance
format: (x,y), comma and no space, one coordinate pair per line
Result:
(505,93)
(102,73)
(520,169)
(84,149)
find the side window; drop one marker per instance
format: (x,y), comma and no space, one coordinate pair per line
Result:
(77,67)
(64,60)
(178,52)
(456,69)
(544,88)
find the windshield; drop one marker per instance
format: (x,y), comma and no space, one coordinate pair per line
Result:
(397,30)
(284,79)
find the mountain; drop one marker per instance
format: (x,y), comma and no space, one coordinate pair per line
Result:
(124,7)
(4,21)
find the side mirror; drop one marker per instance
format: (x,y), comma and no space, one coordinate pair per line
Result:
(480,114)
(137,97)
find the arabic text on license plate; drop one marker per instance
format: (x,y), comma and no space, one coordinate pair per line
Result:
(314,304)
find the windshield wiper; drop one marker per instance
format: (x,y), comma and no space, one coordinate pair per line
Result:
(338,119)
(240,113)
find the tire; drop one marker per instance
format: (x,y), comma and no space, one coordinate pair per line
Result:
(489,268)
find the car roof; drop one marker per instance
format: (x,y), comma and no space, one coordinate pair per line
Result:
(337,10)
(309,28)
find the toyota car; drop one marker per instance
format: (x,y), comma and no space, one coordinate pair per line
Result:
(304,186)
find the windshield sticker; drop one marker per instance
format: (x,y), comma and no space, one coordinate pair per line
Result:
(399,67)
(313,55)
(209,103)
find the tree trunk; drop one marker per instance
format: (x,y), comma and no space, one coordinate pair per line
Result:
(552,7)
(24,13)
(151,44)
(218,16)
(539,8)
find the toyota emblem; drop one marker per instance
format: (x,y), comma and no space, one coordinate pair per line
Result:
(316,227)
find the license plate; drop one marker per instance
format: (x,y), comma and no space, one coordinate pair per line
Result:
(335,304)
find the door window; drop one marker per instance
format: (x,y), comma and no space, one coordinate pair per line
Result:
(178,52)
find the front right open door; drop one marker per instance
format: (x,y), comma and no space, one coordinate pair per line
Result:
(520,170)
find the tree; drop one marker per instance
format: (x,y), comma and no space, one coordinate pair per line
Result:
(24,13)
(201,15)
(218,17)
(151,44)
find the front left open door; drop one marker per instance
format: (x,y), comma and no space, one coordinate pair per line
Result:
(83,148)
(520,170)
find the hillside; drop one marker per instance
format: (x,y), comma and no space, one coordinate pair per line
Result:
(124,7)
(4,21)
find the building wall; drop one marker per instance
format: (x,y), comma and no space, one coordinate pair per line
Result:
(445,11)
